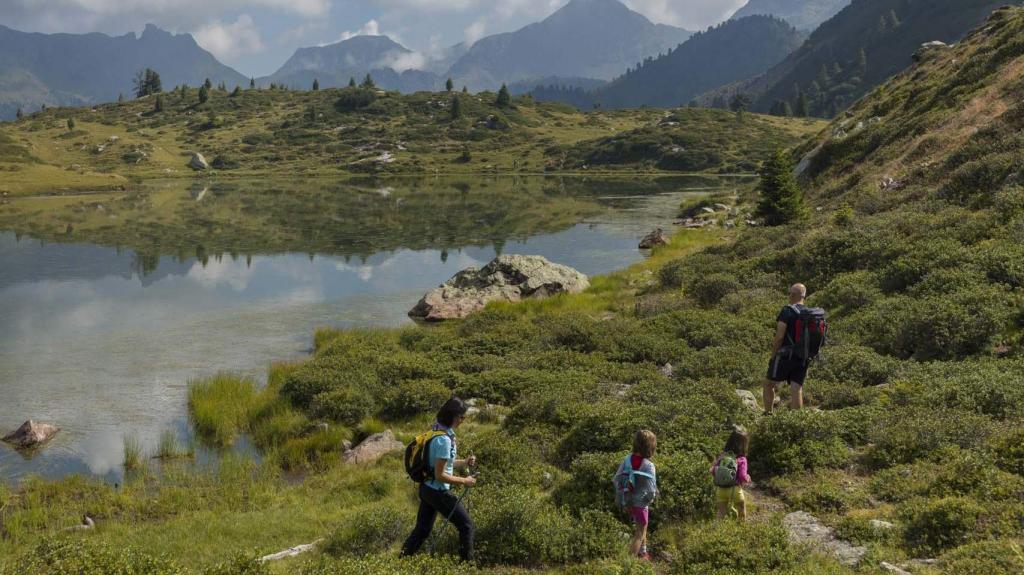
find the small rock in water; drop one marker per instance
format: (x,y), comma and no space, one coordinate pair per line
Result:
(31,434)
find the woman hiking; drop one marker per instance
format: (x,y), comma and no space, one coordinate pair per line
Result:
(730,475)
(435,493)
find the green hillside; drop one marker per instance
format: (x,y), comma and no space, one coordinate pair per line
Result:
(334,132)
(911,447)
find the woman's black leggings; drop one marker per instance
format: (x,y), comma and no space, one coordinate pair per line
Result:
(432,502)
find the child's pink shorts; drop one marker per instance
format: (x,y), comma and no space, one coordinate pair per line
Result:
(640,515)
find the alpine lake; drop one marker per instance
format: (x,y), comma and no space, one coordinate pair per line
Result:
(111,302)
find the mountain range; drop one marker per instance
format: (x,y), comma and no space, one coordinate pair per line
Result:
(805,15)
(82,69)
(864,45)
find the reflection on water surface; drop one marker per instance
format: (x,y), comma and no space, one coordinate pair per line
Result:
(110,303)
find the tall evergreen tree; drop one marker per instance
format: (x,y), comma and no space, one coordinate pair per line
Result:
(120,98)
(19,114)
(449,85)
(252,83)
(147,82)
(803,105)
(782,200)
(504,99)
(158,105)
(456,108)
(351,82)
(237,92)
(368,82)
(208,84)
(316,84)
(204,94)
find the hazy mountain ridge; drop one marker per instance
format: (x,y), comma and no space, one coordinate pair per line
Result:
(82,69)
(803,14)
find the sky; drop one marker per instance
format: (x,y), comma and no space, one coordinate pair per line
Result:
(257,36)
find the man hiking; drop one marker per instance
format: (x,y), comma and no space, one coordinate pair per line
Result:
(799,334)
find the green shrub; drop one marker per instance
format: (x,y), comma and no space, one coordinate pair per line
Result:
(860,531)
(907,434)
(730,548)
(710,289)
(504,386)
(855,364)
(1009,450)
(387,564)
(820,491)
(415,397)
(796,440)
(1006,556)
(940,524)
(77,557)
(589,485)
(367,534)
(951,471)
(353,99)
(240,564)
(345,405)
(505,459)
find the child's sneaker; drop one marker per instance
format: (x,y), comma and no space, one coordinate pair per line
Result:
(644,556)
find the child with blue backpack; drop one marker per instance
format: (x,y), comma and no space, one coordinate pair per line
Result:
(730,475)
(636,486)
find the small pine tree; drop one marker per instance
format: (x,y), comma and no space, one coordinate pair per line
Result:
(316,84)
(803,106)
(120,98)
(781,201)
(158,105)
(208,84)
(71,124)
(456,108)
(449,85)
(787,110)
(504,99)
(19,114)
(237,92)
(465,89)
(204,94)
(466,156)
(351,82)
(252,83)
(311,114)
(368,82)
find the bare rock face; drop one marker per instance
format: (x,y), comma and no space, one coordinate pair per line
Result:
(508,278)
(373,448)
(749,400)
(31,434)
(198,162)
(655,238)
(805,529)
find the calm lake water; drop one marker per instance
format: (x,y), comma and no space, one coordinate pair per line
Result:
(111,303)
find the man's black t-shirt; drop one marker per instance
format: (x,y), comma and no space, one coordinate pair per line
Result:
(788,316)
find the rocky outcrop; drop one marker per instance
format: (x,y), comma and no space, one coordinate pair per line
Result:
(508,278)
(31,434)
(805,529)
(198,162)
(373,448)
(655,238)
(748,399)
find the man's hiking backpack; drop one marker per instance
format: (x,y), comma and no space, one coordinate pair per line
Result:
(810,332)
(625,482)
(725,470)
(417,456)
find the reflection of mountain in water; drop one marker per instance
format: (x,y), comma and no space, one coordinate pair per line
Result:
(170,225)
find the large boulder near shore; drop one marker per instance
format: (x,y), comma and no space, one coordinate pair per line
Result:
(373,448)
(31,434)
(198,162)
(508,278)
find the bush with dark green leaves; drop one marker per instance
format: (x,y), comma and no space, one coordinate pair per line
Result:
(903,435)
(1005,556)
(77,557)
(952,471)
(387,564)
(373,532)
(796,440)
(935,525)
(346,405)
(731,548)
(415,397)
(354,99)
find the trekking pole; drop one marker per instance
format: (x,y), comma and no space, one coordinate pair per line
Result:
(435,537)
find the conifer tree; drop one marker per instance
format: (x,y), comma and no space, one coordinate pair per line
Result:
(787,110)
(456,108)
(208,84)
(803,106)
(465,89)
(504,99)
(237,92)
(147,82)
(368,82)
(316,84)
(449,85)
(120,98)
(158,105)
(71,124)
(252,83)
(19,114)
(351,82)
(204,94)
(782,200)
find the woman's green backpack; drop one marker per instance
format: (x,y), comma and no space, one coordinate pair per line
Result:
(725,470)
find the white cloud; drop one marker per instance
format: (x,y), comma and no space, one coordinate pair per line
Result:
(371,28)
(228,41)
(476,31)
(690,14)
